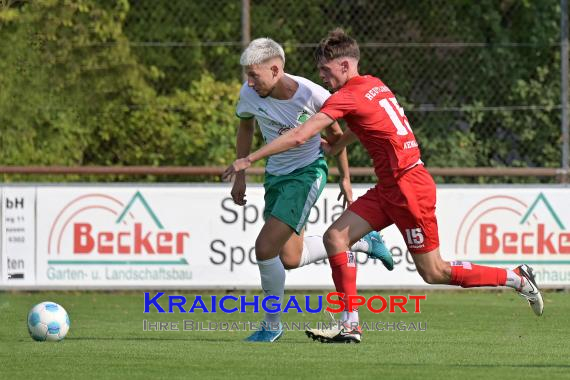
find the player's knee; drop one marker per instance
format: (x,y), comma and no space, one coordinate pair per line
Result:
(331,239)
(263,250)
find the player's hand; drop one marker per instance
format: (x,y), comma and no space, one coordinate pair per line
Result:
(345,192)
(238,165)
(238,190)
(326,146)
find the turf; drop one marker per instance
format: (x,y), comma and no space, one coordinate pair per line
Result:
(469,335)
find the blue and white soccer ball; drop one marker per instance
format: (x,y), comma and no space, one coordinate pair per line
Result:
(48,321)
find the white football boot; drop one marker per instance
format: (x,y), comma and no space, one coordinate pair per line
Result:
(529,290)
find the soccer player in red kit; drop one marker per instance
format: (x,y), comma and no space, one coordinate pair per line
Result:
(405,194)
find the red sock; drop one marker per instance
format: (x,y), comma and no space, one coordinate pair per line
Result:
(343,266)
(468,275)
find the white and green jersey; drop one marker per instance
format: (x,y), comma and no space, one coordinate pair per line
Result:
(275,117)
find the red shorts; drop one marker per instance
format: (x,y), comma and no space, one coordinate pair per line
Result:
(410,204)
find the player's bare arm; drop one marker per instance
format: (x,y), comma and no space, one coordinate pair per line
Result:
(291,139)
(347,138)
(333,134)
(243,148)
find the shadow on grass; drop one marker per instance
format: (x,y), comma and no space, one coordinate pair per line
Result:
(156,339)
(184,339)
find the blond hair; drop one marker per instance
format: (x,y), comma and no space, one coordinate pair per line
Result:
(261,50)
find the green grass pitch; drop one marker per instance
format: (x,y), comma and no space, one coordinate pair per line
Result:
(470,335)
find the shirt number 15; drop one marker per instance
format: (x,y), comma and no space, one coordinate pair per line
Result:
(390,105)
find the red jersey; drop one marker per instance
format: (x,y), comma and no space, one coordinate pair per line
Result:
(375,117)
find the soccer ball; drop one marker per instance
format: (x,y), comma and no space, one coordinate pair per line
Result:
(48,321)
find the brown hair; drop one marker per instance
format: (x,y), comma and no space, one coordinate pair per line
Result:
(337,44)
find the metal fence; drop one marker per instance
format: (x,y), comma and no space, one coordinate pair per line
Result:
(481,81)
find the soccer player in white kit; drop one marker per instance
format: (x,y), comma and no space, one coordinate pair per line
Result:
(294,179)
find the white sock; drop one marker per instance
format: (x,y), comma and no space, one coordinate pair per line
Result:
(352,317)
(313,250)
(273,283)
(360,246)
(513,280)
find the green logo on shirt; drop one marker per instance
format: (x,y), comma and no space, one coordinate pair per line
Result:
(303,116)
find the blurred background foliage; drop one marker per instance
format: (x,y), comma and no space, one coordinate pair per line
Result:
(135,82)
